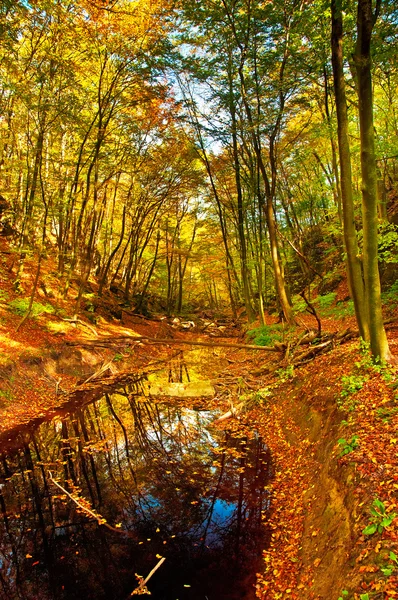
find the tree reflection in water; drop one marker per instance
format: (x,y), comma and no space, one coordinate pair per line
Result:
(178,486)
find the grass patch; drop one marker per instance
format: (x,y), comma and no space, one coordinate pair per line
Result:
(3,296)
(20,306)
(351,384)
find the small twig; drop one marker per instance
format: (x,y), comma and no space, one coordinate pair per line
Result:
(57,382)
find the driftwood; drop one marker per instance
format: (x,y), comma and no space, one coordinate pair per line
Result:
(231,413)
(113,341)
(326,341)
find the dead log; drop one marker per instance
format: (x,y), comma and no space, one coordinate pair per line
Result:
(112,341)
(312,351)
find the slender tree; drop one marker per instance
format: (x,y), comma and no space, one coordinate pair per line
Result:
(366,19)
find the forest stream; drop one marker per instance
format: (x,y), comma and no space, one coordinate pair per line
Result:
(93,498)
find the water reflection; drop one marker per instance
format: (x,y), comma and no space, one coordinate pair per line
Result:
(169,482)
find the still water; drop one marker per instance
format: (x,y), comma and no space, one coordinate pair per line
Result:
(167,479)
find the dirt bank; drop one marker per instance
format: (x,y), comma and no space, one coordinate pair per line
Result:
(320,499)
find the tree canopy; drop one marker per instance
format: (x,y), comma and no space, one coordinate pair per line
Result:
(203,155)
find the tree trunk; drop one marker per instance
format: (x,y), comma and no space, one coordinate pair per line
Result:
(241,211)
(377,334)
(354,265)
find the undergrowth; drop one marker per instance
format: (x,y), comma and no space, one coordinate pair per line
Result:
(326,306)
(390,297)
(266,335)
(20,307)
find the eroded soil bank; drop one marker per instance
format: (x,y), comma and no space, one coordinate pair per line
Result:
(322,498)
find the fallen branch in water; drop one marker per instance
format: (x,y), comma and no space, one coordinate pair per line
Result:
(112,341)
(103,369)
(231,413)
(79,502)
(142,589)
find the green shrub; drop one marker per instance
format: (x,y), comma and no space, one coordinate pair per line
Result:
(388,241)
(285,374)
(324,305)
(379,518)
(344,309)
(326,301)
(20,307)
(6,394)
(351,384)
(347,447)
(266,335)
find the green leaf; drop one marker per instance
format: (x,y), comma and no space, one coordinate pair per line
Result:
(386,521)
(387,571)
(380,505)
(370,529)
(393,557)
(364,597)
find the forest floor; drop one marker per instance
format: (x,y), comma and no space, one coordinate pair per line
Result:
(331,426)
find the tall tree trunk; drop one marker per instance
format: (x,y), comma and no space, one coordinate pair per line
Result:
(269,213)
(139,306)
(238,182)
(182,266)
(354,265)
(377,334)
(335,182)
(104,275)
